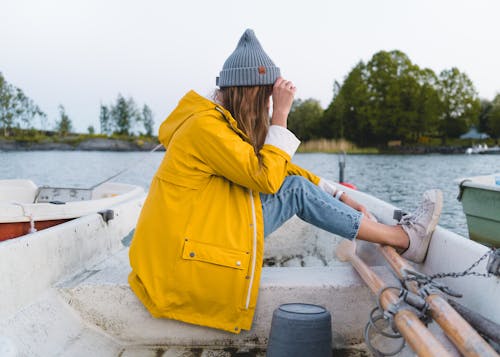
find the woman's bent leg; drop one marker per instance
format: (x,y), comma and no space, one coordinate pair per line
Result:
(298,196)
(381,233)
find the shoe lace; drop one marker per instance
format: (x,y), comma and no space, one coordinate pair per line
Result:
(411,219)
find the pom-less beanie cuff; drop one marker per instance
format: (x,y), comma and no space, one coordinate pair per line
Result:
(248,65)
(248,77)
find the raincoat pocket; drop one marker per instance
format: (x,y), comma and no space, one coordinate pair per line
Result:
(215,278)
(208,253)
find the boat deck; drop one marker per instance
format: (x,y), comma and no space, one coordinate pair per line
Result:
(96,313)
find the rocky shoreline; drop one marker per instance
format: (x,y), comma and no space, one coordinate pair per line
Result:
(110,144)
(94,144)
(418,150)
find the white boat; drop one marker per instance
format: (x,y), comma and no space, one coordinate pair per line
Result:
(64,290)
(25,207)
(482,149)
(476,149)
(492,150)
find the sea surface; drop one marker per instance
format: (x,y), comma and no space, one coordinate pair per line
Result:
(398,179)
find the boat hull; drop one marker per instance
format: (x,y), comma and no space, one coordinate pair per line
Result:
(17,229)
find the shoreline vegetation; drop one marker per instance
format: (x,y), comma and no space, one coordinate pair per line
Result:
(95,142)
(82,142)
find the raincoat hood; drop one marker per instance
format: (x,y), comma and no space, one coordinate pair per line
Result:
(192,103)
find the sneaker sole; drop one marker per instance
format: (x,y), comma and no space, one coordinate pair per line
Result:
(437,212)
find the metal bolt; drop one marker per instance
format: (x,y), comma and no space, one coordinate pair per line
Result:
(192,254)
(238,263)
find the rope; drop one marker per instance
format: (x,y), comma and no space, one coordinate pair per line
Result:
(27,215)
(124,170)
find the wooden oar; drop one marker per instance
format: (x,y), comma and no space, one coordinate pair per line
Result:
(408,324)
(465,338)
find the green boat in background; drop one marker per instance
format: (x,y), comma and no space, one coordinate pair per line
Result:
(480,197)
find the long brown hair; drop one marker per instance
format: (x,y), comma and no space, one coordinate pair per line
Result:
(250,107)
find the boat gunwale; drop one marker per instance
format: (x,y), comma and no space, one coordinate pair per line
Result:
(473,184)
(15,212)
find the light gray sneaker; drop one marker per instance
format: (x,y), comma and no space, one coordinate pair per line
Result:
(420,225)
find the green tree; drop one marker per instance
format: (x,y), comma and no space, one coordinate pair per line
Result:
(16,109)
(494,119)
(304,118)
(7,105)
(105,120)
(461,105)
(147,120)
(124,115)
(91,130)
(428,105)
(354,109)
(332,123)
(483,125)
(394,90)
(26,110)
(63,125)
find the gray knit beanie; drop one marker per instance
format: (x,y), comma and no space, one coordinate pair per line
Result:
(248,65)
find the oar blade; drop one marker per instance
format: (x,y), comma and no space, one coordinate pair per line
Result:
(346,250)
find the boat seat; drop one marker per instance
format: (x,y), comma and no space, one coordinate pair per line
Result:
(102,297)
(20,191)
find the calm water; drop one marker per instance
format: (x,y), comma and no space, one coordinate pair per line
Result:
(393,178)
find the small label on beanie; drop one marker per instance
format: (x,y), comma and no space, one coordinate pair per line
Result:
(262,70)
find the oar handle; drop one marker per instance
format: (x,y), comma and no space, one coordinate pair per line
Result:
(420,339)
(465,338)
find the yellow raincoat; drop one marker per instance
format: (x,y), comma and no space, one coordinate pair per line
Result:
(197,252)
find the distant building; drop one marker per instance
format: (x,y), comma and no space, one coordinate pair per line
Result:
(474,134)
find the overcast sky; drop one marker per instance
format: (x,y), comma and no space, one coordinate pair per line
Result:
(80,53)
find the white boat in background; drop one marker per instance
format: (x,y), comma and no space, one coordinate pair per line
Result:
(25,207)
(492,150)
(482,149)
(64,290)
(476,149)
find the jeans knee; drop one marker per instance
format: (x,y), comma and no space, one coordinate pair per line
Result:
(294,182)
(299,188)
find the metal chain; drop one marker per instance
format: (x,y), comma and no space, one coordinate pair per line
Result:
(424,281)
(466,272)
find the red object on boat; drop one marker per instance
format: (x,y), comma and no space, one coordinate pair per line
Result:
(350,185)
(17,229)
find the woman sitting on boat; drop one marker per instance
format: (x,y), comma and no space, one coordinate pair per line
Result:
(227,181)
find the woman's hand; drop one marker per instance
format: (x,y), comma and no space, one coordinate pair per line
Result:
(283,94)
(357,206)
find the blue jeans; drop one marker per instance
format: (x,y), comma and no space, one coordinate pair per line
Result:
(298,196)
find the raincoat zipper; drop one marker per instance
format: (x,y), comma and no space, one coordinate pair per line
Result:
(254,250)
(254,225)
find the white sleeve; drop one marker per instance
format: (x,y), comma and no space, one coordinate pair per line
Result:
(282,138)
(327,186)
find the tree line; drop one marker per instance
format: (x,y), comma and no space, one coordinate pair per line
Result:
(391,98)
(388,98)
(123,117)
